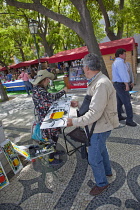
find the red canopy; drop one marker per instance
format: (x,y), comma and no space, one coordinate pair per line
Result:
(3,69)
(106,48)
(25,63)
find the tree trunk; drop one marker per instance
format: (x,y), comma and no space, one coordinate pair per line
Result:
(47,48)
(3,93)
(4,64)
(22,54)
(109,31)
(88,35)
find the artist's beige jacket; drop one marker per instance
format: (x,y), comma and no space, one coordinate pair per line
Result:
(103,106)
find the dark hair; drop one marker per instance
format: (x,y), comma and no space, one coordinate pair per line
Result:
(41,83)
(92,61)
(119,51)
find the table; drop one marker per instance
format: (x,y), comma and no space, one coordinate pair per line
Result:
(57,114)
(15,85)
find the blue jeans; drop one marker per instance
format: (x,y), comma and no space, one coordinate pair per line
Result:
(123,97)
(98,158)
(28,86)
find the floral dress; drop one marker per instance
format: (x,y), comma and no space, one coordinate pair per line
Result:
(42,101)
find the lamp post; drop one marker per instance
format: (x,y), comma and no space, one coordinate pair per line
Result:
(33,26)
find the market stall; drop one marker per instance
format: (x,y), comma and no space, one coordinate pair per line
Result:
(108,50)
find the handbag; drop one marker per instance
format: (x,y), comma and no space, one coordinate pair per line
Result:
(79,135)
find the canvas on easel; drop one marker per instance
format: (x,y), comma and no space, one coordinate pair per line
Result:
(11,156)
(57,114)
(3,178)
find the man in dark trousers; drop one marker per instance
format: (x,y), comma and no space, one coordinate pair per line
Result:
(121,80)
(103,111)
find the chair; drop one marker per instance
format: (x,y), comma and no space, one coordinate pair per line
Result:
(78,146)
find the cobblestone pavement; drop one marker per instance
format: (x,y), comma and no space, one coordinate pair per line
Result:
(38,186)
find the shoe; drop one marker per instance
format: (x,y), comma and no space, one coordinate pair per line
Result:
(133,124)
(109,175)
(55,162)
(122,118)
(59,152)
(98,190)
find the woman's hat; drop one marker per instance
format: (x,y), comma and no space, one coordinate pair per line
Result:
(42,74)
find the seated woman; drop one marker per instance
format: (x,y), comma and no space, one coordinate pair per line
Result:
(42,101)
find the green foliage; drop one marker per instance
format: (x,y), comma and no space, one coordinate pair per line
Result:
(131,17)
(16,40)
(127,16)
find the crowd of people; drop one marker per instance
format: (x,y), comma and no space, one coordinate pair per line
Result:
(27,75)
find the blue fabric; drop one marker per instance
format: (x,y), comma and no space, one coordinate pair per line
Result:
(133,91)
(37,135)
(98,158)
(9,76)
(123,97)
(14,83)
(119,71)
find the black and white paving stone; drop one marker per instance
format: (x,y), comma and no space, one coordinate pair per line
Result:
(39,186)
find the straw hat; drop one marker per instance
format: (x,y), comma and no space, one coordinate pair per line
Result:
(42,74)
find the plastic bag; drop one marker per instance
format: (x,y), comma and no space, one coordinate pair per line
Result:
(36,132)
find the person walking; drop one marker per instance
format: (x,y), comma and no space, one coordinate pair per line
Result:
(25,77)
(42,101)
(103,111)
(9,76)
(121,82)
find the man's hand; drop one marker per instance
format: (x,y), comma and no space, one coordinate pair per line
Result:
(126,86)
(132,85)
(74,103)
(69,122)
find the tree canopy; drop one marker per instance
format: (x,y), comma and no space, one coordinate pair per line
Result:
(66,24)
(81,22)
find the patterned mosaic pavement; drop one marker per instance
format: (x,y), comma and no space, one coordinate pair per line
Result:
(39,186)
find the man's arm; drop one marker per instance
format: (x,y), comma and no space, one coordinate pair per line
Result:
(124,75)
(19,77)
(96,108)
